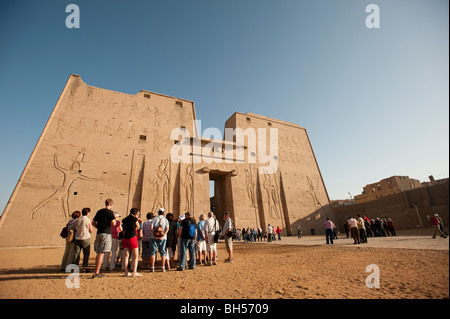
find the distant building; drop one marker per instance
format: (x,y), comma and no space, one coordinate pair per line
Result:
(433,182)
(387,186)
(341,202)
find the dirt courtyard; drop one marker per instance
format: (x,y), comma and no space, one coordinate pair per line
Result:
(260,271)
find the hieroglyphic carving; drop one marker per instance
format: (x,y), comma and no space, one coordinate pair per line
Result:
(156,139)
(62,192)
(157,117)
(60,128)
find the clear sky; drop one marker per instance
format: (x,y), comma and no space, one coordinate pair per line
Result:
(375,102)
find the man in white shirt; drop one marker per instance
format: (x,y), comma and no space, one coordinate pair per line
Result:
(210,228)
(228,234)
(353,225)
(269,233)
(83,238)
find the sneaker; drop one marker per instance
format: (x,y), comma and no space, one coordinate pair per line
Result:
(180,269)
(99,275)
(229,260)
(163,269)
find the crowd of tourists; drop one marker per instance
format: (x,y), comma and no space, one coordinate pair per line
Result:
(258,234)
(360,229)
(120,242)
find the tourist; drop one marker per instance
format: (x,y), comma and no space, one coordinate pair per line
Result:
(179,220)
(279,232)
(346,229)
(83,238)
(188,234)
(353,226)
(211,228)
(361,229)
(329,225)
(171,244)
(228,234)
(390,225)
(103,221)
(115,230)
(436,229)
(200,246)
(269,233)
(299,232)
(335,232)
(158,239)
(441,224)
(369,232)
(385,227)
(130,242)
(238,234)
(139,234)
(374,229)
(146,231)
(68,252)
(379,227)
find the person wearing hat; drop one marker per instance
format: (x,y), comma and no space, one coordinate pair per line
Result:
(158,239)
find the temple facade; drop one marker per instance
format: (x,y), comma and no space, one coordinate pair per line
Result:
(146,151)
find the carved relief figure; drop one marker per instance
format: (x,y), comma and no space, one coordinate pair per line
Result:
(161,183)
(250,187)
(62,193)
(60,128)
(188,187)
(272,197)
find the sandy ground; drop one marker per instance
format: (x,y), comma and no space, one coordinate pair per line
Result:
(288,269)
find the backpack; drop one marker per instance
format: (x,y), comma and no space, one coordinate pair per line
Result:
(64,232)
(192,230)
(158,231)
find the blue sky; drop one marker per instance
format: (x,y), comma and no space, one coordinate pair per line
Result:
(375,102)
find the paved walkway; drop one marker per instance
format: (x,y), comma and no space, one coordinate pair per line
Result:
(409,239)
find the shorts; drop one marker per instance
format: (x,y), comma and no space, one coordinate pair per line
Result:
(158,245)
(211,245)
(103,243)
(228,242)
(130,243)
(200,245)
